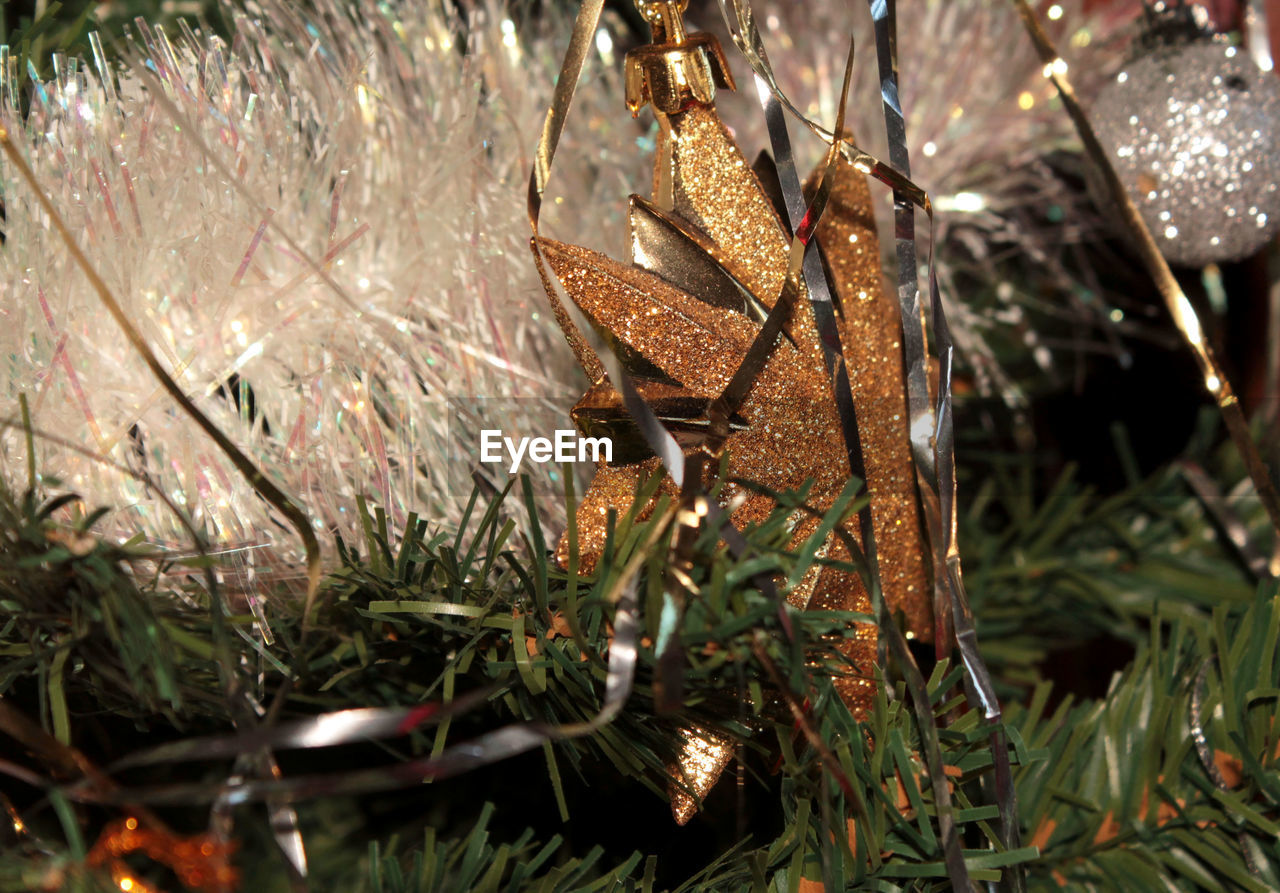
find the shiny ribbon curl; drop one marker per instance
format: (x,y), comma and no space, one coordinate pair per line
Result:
(362,724)
(941,477)
(326,730)
(804,267)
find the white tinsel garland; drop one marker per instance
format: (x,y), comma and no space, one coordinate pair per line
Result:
(392,143)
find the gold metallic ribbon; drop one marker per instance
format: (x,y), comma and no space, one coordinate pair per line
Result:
(584,30)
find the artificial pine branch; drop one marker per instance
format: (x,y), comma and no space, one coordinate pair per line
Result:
(425,614)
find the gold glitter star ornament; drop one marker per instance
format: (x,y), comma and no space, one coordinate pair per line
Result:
(709,259)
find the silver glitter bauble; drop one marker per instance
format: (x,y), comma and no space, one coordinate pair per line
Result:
(1194,133)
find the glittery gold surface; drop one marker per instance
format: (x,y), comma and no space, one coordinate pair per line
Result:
(838,590)
(691,327)
(792,436)
(714,188)
(792,430)
(581,350)
(703,757)
(694,343)
(869,335)
(613,487)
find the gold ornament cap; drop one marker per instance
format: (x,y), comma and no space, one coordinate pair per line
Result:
(677,70)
